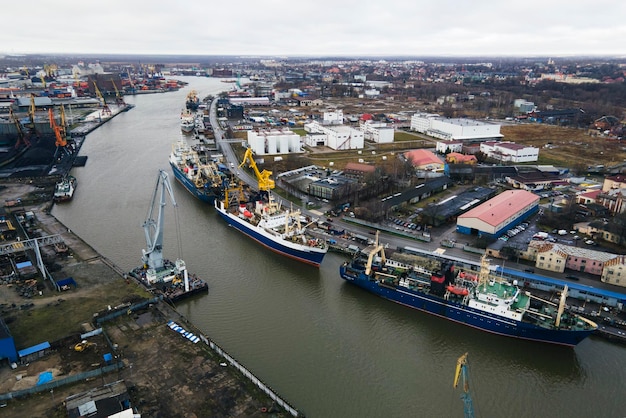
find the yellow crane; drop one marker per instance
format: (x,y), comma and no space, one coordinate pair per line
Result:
(105,106)
(118,97)
(263,177)
(461,370)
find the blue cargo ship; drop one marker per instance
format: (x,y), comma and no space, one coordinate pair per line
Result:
(483,301)
(199,175)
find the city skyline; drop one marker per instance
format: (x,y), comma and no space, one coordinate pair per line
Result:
(273,28)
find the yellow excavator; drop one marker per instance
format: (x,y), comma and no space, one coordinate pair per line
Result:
(83,345)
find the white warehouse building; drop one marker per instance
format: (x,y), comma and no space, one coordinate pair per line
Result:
(451,146)
(274,141)
(377,132)
(458,129)
(337,137)
(509,151)
(420,122)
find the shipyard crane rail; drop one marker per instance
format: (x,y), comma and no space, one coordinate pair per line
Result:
(263,177)
(153,228)
(461,370)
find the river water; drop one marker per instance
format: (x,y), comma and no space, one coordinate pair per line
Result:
(328,348)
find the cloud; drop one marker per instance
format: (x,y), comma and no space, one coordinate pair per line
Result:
(324,27)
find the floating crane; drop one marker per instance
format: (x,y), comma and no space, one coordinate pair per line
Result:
(265,182)
(105,106)
(461,370)
(157,269)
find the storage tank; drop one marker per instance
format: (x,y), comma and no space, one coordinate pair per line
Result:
(272,141)
(294,143)
(283,146)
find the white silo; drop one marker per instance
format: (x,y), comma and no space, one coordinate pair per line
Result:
(283,147)
(294,143)
(272,141)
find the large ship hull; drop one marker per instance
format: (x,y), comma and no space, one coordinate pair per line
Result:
(205,194)
(463,314)
(306,254)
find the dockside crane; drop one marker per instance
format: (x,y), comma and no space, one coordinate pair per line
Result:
(461,370)
(105,106)
(265,182)
(119,100)
(31,116)
(59,133)
(22,137)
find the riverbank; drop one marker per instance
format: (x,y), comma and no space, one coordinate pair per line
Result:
(165,373)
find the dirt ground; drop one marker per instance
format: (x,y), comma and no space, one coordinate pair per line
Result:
(166,374)
(569,147)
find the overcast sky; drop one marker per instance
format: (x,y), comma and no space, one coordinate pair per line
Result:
(321,27)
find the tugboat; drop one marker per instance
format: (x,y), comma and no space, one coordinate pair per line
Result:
(64,189)
(164,277)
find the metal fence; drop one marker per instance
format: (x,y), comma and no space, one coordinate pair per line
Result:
(248,374)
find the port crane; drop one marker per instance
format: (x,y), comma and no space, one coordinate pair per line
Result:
(22,137)
(105,106)
(157,269)
(59,132)
(265,182)
(461,370)
(119,100)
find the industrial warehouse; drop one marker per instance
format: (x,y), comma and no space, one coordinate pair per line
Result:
(498,214)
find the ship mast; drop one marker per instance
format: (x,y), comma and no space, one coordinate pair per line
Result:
(483,275)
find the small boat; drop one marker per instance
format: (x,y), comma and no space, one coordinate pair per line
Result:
(64,189)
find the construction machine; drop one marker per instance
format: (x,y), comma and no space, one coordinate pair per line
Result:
(83,345)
